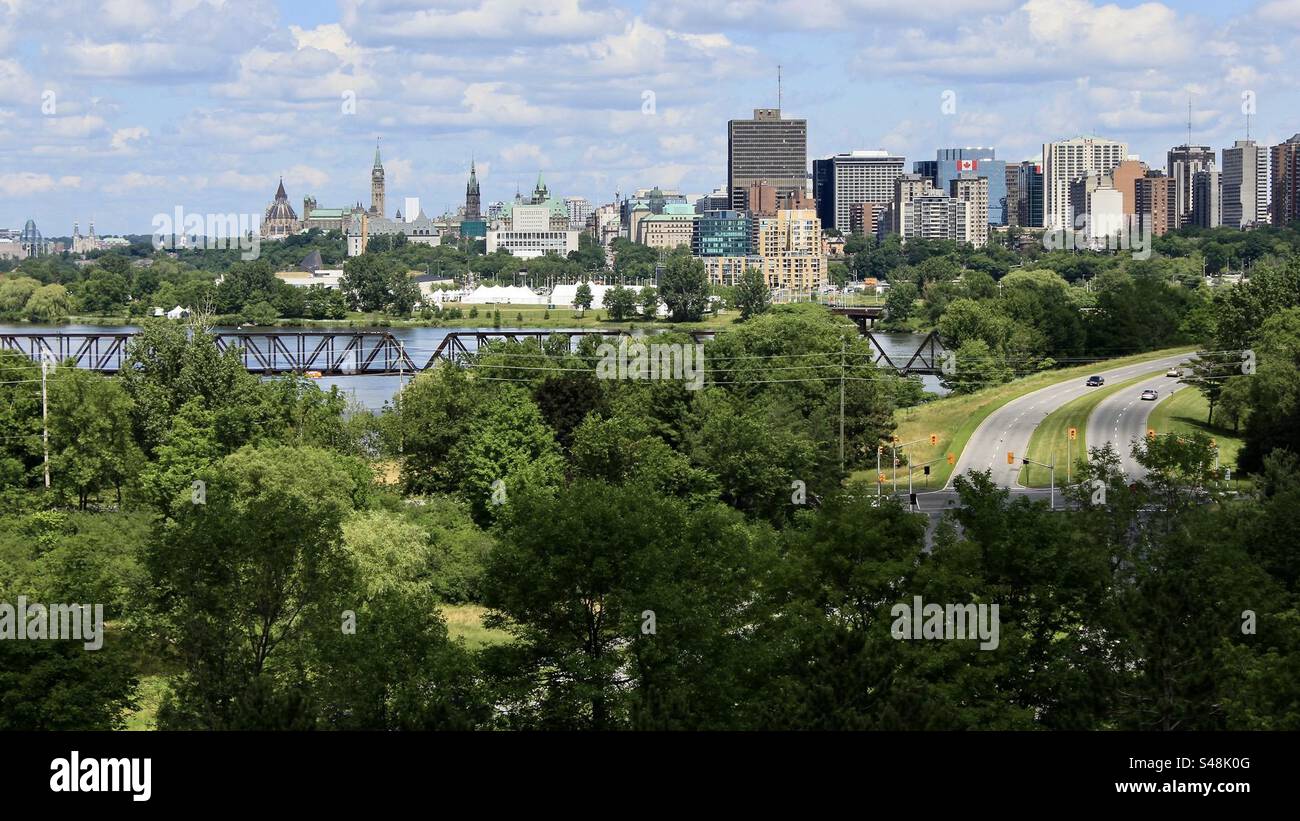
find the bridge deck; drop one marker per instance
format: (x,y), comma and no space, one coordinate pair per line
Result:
(349,353)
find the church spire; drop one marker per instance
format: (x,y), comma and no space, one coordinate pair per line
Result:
(378,164)
(279,192)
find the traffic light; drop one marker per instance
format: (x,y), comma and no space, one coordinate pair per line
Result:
(1074,434)
(880,478)
(1151,433)
(952,459)
(894,439)
(1011,458)
(934,439)
(927,470)
(1214,444)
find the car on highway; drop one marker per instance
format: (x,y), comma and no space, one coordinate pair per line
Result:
(1095,382)
(1176,373)
(1150,395)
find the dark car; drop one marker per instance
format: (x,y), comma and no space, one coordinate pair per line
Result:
(1095,381)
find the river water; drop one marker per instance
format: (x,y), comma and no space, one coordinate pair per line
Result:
(374,391)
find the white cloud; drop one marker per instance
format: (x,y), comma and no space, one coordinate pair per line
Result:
(124,137)
(26,183)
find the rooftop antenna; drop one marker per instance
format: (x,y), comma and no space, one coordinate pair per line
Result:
(1189,120)
(778,87)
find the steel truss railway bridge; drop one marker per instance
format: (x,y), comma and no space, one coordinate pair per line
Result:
(362,353)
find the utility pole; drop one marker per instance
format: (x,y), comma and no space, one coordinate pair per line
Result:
(45,416)
(842,405)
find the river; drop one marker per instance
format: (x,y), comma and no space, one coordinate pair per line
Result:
(373,391)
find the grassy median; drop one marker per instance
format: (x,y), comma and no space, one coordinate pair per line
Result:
(1050,443)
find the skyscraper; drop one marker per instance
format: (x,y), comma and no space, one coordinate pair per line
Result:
(1245,184)
(952,163)
(1029,194)
(473,203)
(1184,162)
(1206,194)
(1067,160)
(377,185)
(846,180)
(767,149)
(1286,181)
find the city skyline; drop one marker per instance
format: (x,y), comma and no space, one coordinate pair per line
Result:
(207,109)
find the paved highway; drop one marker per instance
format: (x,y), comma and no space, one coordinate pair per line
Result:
(1010,427)
(1121,419)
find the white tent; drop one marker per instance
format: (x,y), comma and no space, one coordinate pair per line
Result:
(503,295)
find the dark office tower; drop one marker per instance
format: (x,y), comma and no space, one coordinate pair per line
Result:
(472,202)
(1286,181)
(823,179)
(1029,185)
(1207,188)
(1011,202)
(766,149)
(928,169)
(1184,161)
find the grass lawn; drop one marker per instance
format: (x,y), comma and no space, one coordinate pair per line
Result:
(1185,412)
(465,621)
(1048,444)
(954,418)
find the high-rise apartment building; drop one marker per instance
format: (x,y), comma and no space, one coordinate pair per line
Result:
(767,149)
(1067,160)
(1286,181)
(845,180)
(579,210)
(1124,177)
(1245,184)
(1182,165)
(907,188)
(975,192)
(1153,202)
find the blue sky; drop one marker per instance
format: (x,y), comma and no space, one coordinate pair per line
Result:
(118,110)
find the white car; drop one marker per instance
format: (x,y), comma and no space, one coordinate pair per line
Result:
(1150,395)
(1176,373)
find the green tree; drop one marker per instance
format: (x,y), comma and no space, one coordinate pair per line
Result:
(48,303)
(752,294)
(684,287)
(243,581)
(91,447)
(621,302)
(582,297)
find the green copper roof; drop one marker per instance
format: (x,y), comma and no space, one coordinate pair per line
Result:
(378,164)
